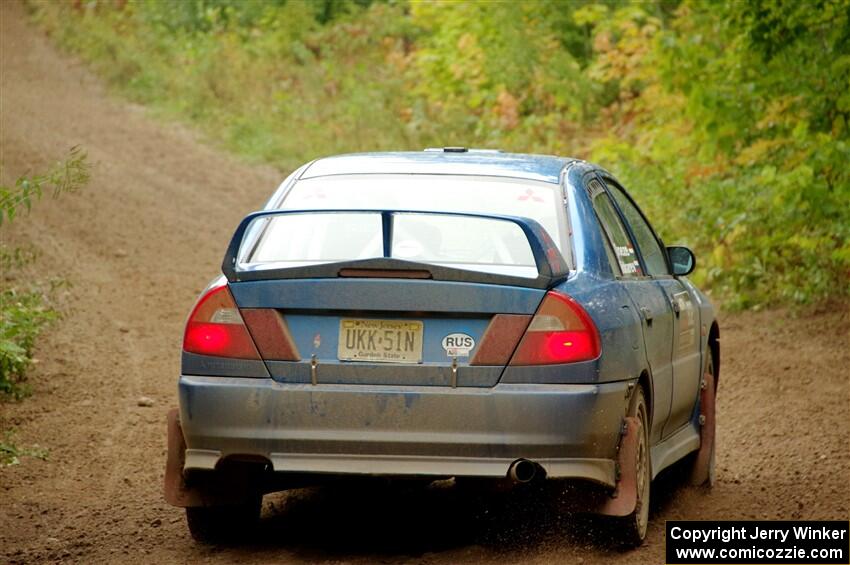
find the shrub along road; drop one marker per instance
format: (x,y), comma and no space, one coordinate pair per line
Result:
(144,238)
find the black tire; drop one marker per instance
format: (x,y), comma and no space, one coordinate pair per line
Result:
(224,524)
(632,528)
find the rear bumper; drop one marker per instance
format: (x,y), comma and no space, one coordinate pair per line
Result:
(572,431)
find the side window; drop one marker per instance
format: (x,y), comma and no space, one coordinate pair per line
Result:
(653,255)
(612,258)
(621,254)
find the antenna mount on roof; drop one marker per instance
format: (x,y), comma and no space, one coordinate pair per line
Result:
(447,149)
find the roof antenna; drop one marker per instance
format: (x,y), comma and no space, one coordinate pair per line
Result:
(447,149)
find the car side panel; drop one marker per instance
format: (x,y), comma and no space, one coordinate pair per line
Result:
(687,361)
(657,329)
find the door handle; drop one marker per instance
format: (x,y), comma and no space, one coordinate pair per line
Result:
(647,314)
(676,308)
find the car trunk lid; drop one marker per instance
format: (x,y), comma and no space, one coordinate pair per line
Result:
(439,329)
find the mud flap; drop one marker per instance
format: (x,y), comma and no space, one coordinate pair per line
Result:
(225,486)
(702,463)
(177,492)
(623,500)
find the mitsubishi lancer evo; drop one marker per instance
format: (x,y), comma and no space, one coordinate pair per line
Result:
(447,313)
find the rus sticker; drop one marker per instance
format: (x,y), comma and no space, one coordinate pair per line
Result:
(458,344)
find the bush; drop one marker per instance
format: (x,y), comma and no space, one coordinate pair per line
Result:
(24,313)
(732,128)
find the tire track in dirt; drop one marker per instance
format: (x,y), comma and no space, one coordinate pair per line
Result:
(143,239)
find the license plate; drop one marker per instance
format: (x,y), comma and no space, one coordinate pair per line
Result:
(382,341)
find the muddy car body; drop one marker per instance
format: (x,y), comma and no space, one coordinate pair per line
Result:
(447,313)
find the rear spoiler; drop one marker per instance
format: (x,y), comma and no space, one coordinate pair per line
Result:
(551,266)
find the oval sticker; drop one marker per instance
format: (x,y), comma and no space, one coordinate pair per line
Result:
(458,344)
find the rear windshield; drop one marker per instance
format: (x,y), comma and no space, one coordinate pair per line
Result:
(460,242)
(310,238)
(436,193)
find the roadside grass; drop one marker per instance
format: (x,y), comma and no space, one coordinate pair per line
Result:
(26,305)
(23,316)
(11,453)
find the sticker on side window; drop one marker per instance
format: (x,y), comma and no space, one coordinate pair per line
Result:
(627,260)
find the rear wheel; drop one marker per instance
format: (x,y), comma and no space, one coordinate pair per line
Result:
(633,527)
(217,524)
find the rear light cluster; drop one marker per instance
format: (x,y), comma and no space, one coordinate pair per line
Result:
(560,332)
(216,328)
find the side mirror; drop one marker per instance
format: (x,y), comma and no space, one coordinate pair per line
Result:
(682,259)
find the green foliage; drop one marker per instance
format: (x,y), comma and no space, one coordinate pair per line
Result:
(497,74)
(10,453)
(16,257)
(67,176)
(731,128)
(728,121)
(22,317)
(279,87)
(24,313)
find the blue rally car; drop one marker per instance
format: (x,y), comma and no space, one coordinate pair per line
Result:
(449,313)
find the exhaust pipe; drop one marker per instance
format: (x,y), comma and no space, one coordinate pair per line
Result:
(522,471)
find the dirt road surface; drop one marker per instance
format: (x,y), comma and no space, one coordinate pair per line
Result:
(144,238)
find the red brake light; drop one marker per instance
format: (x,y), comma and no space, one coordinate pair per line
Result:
(216,327)
(560,332)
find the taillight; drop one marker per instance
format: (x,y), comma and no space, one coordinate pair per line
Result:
(216,327)
(560,332)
